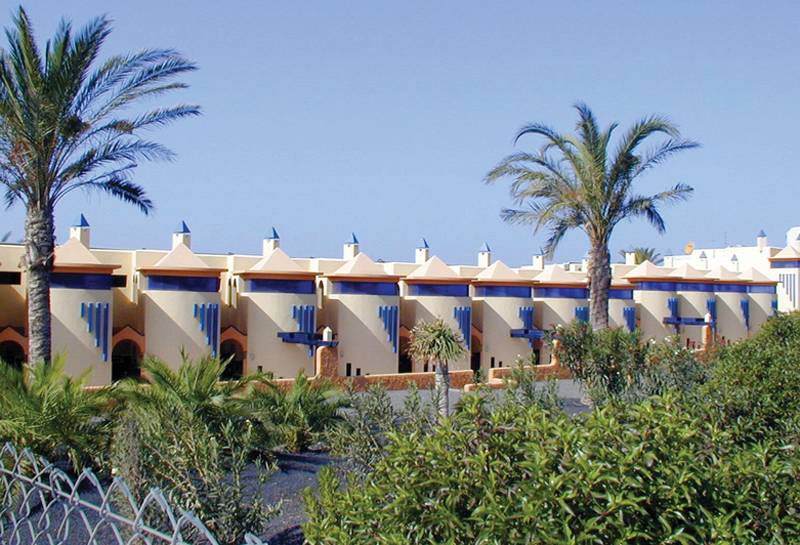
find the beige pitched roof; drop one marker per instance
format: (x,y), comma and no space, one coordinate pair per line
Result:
(688,272)
(499,272)
(360,266)
(647,269)
(721,273)
(181,258)
(73,254)
(790,252)
(756,276)
(556,274)
(277,261)
(434,269)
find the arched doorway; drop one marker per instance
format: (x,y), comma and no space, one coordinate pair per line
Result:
(12,353)
(125,358)
(233,350)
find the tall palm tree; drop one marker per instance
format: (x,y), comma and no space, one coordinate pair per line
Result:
(66,125)
(575,181)
(641,254)
(436,342)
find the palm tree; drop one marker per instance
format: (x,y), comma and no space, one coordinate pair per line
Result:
(53,414)
(65,126)
(575,182)
(641,254)
(436,342)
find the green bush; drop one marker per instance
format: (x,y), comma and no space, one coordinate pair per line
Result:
(295,417)
(644,473)
(54,415)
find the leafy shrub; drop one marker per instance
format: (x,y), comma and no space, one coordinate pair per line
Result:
(755,384)
(614,364)
(650,472)
(371,420)
(295,417)
(199,469)
(53,414)
(522,388)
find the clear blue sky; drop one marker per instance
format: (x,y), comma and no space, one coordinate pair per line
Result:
(323,118)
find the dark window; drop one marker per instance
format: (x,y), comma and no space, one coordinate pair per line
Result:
(265,285)
(119,281)
(439,290)
(358,371)
(491,362)
(125,359)
(366,288)
(10,278)
(348,369)
(475,362)
(404,364)
(232,350)
(12,353)
(88,281)
(202,284)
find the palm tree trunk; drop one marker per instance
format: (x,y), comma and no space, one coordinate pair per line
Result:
(442,382)
(599,284)
(39,257)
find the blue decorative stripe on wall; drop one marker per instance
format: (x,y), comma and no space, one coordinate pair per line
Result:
(208,317)
(582,314)
(704,287)
(630,317)
(97,317)
(774,307)
(785,264)
(617,293)
(672,305)
(745,304)
(366,288)
(711,306)
(274,285)
(463,316)
(391,321)
(305,316)
(200,284)
(439,290)
(522,292)
(762,289)
(80,281)
(730,288)
(563,293)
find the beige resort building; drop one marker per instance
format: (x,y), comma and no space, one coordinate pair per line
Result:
(271,312)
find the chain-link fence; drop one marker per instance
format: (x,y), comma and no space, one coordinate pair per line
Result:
(42,504)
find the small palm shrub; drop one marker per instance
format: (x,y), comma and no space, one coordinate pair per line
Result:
(658,471)
(295,417)
(523,388)
(53,414)
(437,343)
(201,466)
(616,365)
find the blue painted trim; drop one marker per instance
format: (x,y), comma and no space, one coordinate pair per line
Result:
(711,306)
(522,292)
(620,293)
(305,316)
(582,314)
(528,330)
(439,290)
(347,287)
(207,316)
(80,281)
(774,307)
(274,285)
(198,284)
(745,304)
(561,293)
(704,287)
(794,264)
(97,317)
(390,317)
(630,317)
(463,316)
(760,288)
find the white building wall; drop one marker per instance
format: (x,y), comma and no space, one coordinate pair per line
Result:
(363,340)
(496,317)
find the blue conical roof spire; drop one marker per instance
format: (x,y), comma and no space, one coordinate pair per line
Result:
(485,248)
(81,222)
(761,233)
(423,244)
(183,228)
(353,239)
(274,235)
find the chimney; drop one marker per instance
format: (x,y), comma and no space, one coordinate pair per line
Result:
(182,236)
(271,243)
(350,248)
(538,262)
(735,263)
(796,242)
(484,256)
(80,231)
(422,252)
(630,258)
(761,240)
(703,260)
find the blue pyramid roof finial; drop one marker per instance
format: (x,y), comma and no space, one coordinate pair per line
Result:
(703,255)
(423,244)
(183,229)
(485,248)
(81,222)
(734,258)
(353,240)
(761,233)
(274,235)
